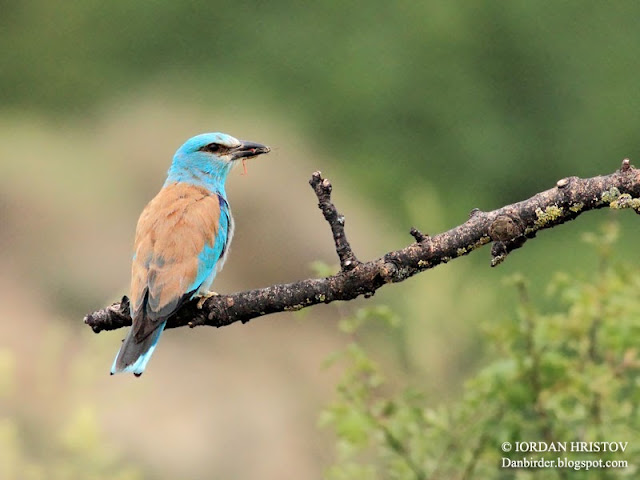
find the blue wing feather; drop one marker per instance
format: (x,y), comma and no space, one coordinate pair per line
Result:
(211,255)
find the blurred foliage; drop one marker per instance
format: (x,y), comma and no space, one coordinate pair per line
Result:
(560,376)
(426,108)
(514,94)
(323,269)
(32,449)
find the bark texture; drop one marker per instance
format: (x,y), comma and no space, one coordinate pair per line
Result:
(509,228)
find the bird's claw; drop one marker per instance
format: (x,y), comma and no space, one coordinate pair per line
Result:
(204,297)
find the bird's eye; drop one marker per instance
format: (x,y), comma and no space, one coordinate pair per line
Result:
(212,147)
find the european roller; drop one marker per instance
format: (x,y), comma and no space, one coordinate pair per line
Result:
(182,240)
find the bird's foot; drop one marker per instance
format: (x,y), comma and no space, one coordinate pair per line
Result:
(204,297)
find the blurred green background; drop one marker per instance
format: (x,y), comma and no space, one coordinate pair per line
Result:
(417,111)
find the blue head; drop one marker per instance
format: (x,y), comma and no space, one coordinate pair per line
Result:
(206,159)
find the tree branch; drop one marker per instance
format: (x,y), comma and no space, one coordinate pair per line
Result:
(322,187)
(508,227)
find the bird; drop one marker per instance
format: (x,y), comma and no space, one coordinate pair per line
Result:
(182,240)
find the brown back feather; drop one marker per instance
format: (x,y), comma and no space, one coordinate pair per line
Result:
(172,231)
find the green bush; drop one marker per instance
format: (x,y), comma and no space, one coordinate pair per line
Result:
(557,377)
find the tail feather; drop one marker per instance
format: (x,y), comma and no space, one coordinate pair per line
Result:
(134,355)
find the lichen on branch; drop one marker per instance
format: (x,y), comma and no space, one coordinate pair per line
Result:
(509,228)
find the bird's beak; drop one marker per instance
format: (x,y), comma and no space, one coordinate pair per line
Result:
(249,150)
